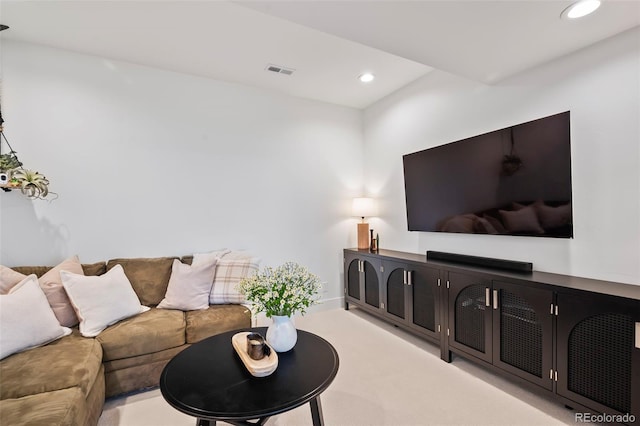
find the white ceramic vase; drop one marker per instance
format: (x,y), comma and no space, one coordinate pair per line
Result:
(282,334)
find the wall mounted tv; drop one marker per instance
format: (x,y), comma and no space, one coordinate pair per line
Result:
(513,181)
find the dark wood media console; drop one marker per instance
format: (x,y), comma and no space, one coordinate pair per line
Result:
(577,340)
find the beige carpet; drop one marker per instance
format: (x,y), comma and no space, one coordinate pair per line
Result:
(402,382)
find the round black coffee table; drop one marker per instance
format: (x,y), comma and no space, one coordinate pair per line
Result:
(209,381)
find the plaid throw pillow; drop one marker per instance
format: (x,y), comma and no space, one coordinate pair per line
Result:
(229,272)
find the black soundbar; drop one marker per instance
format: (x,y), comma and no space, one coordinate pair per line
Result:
(487,262)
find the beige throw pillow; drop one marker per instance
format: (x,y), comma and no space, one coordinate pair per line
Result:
(26,319)
(9,278)
(51,284)
(100,301)
(229,272)
(189,286)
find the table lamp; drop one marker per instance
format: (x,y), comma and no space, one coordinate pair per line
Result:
(363,207)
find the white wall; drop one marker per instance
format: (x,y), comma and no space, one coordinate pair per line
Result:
(600,85)
(153,163)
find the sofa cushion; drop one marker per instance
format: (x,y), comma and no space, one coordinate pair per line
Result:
(142,360)
(149,276)
(26,319)
(151,331)
(130,379)
(97,268)
(65,407)
(28,270)
(217,319)
(68,362)
(95,399)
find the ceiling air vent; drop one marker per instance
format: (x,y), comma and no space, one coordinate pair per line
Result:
(278,69)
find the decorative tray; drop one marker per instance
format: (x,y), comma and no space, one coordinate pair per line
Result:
(258,368)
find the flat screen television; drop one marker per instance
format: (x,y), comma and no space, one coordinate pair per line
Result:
(512,181)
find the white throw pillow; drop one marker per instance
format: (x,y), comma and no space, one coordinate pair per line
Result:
(189,286)
(229,272)
(100,301)
(26,319)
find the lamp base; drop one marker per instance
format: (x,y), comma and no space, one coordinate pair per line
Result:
(363,236)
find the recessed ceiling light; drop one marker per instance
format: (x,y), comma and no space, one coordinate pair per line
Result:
(366,77)
(580,9)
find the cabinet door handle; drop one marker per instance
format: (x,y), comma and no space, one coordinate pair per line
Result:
(495,299)
(486,296)
(409,277)
(404,276)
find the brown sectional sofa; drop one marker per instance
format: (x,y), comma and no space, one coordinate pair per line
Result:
(67,381)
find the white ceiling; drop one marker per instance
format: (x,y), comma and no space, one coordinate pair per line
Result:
(328,43)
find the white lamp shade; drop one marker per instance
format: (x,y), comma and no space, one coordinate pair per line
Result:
(364,207)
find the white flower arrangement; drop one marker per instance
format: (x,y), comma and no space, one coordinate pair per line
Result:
(282,291)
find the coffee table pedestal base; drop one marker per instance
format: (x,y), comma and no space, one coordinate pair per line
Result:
(316,417)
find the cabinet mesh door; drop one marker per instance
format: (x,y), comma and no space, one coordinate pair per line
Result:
(353,283)
(371,285)
(470,317)
(424,302)
(600,352)
(395,293)
(520,334)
